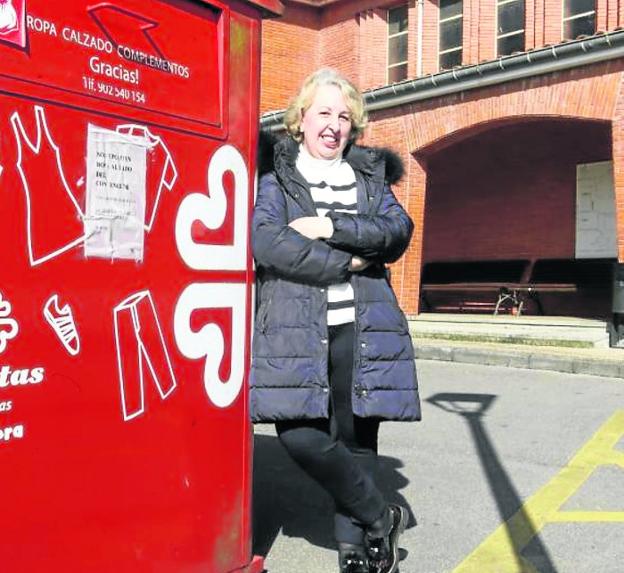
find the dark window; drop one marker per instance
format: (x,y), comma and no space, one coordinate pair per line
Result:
(576,7)
(397,20)
(450,59)
(450,8)
(510,44)
(579,18)
(397,73)
(397,49)
(397,43)
(510,16)
(510,27)
(451,33)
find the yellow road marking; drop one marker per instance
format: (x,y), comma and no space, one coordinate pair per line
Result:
(588,516)
(499,553)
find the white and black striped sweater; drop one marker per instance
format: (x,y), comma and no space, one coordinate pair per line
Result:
(333,188)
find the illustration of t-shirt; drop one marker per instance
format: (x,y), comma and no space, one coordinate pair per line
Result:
(43,180)
(161,171)
(8,18)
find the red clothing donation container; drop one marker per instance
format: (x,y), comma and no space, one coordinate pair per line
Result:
(128,132)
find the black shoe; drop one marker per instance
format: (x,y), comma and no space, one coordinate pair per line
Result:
(383,551)
(352,558)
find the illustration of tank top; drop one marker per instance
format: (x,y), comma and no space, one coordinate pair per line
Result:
(8,18)
(54,218)
(161,171)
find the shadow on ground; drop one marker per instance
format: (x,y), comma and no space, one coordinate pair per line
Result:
(285,499)
(529,551)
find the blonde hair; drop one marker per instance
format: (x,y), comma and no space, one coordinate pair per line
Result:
(303,100)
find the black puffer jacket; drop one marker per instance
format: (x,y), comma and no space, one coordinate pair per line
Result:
(289,367)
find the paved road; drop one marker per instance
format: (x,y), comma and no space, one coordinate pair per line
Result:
(511,471)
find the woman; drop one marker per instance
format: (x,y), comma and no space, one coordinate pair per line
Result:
(332,355)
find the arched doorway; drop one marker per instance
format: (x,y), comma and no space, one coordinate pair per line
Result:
(525,202)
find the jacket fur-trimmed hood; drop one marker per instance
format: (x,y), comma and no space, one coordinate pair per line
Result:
(272,148)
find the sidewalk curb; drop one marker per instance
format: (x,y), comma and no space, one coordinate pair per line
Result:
(530,358)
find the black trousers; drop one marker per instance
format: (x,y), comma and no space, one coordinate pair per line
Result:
(340,453)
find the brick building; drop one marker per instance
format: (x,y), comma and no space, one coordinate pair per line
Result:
(509,115)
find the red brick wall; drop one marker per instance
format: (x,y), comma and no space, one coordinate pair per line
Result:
(471,36)
(351,36)
(485,30)
(389,129)
(290,51)
(431,37)
(366,36)
(422,130)
(369,66)
(617,133)
(530,8)
(589,92)
(412,38)
(612,15)
(602,13)
(552,21)
(339,47)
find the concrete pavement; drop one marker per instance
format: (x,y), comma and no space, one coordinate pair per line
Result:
(590,361)
(561,344)
(510,471)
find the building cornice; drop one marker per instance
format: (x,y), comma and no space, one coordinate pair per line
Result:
(567,55)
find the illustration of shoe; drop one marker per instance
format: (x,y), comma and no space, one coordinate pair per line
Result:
(61,319)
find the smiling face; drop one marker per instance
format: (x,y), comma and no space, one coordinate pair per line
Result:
(326,124)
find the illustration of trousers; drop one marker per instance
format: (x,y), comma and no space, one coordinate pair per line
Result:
(141,349)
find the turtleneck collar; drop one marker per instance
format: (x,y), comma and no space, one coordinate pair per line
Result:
(314,163)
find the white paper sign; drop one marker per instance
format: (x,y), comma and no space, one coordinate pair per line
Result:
(116,195)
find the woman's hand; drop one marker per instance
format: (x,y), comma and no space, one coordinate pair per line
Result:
(313,227)
(323,228)
(358,264)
